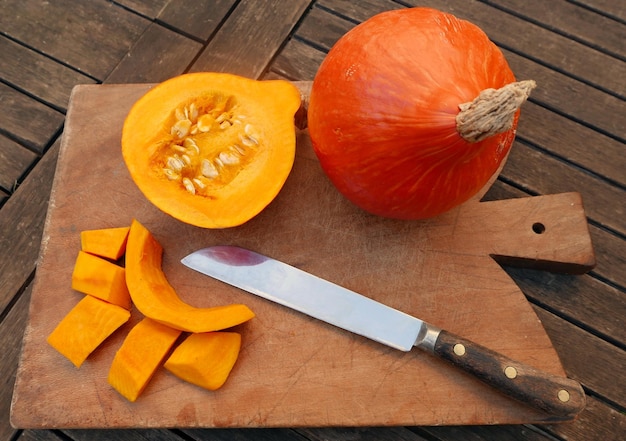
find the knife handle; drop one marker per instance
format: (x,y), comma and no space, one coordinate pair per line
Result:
(556,395)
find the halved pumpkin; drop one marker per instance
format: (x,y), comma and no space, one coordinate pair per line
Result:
(212,149)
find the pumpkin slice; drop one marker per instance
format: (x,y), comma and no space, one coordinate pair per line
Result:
(154,297)
(212,149)
(85,327)
(141,353)
(205,359)
(100,278)
(106,242)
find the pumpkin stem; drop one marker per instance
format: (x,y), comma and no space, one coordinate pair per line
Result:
(492,111)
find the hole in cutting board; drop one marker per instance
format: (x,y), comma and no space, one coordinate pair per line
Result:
(539,228)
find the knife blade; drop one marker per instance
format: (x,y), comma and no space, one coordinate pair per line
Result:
(561,397)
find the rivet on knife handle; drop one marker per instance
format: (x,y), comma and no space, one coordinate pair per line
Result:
(559,396)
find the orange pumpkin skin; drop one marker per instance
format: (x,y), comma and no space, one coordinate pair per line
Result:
(383,106)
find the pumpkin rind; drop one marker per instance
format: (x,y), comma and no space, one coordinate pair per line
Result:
(382,112)
(244,128)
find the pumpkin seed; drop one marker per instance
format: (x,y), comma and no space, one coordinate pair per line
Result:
(171,174)
(191,146)
(181,128)
(238,149)
(208,170)
(193,112)
(199,183)
(228,158)
(249,141)
(189,185)
(180,115)
(175,163)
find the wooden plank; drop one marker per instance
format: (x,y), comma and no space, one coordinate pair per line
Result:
(11,334)
(484,433)
(573,141)
(610,255)
(591,302)
(123,435)
(38,75)
(245,434)
(323,28)
(39,435)
(573,21)
(542,174)
(251,37)
(200,18)
(597,422)
(157,55)
(14,162)
(587,358)
(597,109)
(358,11)
(3,197)
(610,8)
(21,227)
(361,433)
(48,27)
(148,8)
(297,61)
(26,120)
(554,50)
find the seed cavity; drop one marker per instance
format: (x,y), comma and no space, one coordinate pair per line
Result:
(204,123)
(199,160)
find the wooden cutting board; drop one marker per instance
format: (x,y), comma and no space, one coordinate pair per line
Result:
(294,370)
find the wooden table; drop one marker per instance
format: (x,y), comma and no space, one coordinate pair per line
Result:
(571,138)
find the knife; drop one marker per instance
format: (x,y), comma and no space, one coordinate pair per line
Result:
(271,279)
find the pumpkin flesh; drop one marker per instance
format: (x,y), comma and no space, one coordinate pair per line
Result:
(100,278)
(212,149)
(106,242)
(155,298)
(85,327)
(141,353)
(205,359)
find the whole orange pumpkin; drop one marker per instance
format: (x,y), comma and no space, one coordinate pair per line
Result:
(385,114)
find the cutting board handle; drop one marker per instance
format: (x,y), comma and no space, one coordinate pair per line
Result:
(542,232)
